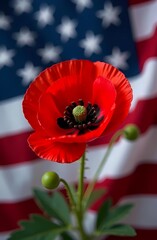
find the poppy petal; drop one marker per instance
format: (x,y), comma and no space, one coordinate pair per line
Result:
(123,89)
(55,151)
(84,69)
(48,114)
(31,99)
(70,89)
(104,94)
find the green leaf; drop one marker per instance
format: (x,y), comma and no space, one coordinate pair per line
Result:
(54,205)
(37,228)
(118,230)
(108,216)
(95,195)
(66,236)
(117,213)
(103,213)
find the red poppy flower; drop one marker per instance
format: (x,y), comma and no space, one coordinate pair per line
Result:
(72,103)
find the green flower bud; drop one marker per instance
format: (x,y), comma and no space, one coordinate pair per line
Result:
(131,132)
(79,113)
(50,180)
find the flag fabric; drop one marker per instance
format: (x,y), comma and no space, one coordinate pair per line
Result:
(35,34)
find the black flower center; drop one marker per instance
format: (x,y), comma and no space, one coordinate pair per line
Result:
(78,116)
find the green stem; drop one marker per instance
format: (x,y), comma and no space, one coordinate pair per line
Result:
(92,184)
(78,206)
(80,192)
(81,181)
(72,201)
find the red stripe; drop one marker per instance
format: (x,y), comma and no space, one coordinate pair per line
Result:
(134,2)
(142,234)
(147,49)
(15,149)
(11,214)
(141,181)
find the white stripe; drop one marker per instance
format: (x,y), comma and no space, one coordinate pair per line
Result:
(144,19)
(18,180)
(144,213)
(12,120)
(142,216)
(11,116)
(145,85)
(126,155)
(4,236)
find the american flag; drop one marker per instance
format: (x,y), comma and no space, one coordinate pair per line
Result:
(35,34)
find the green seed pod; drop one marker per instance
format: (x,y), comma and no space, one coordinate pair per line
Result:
(50,180)
(131,132)
(79,113)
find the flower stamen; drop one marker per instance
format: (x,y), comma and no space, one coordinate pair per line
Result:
(80,101)
(80,117)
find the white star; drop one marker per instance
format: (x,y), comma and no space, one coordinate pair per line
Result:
(82,4)
(67,29)
(118,58)
(21,6)
(28,73)
(4,21)
(45,15)
(50,53)
(91,44)
(6,57)
(24,37)
(109,15)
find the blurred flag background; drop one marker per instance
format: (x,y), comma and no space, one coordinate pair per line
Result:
(35,34)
